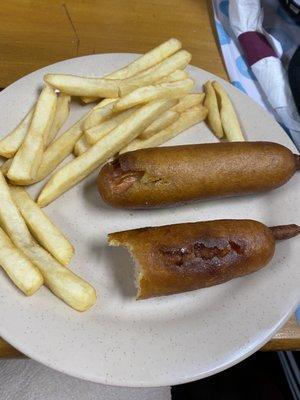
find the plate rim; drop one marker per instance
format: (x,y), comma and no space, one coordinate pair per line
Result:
(256,345)
(191,378)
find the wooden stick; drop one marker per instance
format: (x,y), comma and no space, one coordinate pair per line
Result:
(283,232)
(297,157)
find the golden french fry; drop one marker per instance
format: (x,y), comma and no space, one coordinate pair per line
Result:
(168,90)
(11,143)
(229,119)
(103,87)
(40,226)
(64,145)
(61,148)
(178,75)
(81,146)
(188,101)
(100,113)
(164,120)
(147,60)
(19,268)
(72,289)
(83,86)
(98,132)
(13,224)
(161,72)
(178,60)
(213,116)
(64,283)
(58,150)
(61,114)
(28,159)
(10,218)
(104,102)
(185,121)
(88,99)
(80,167)
(144,62)
(5,166)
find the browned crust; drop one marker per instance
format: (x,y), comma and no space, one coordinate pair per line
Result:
(183,257)
(168,175)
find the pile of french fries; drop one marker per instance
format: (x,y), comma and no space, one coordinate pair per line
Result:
(144,104)
(33,251)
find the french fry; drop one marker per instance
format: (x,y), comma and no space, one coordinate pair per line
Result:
(5,166)
(40,226)
(13,224)
(103,87)
(72,289)
(81,146)
(188,101)
(10,218)
(80,167)
(178,75)
(160,72)
(177,61)
(99,114)
(185,121)
(147,60)
(19,268)
(164,120)
(98,132)
(61,114)
(213,116)
(168,90)
(144,62)
(89,99)
(230,122)
(104,102)
(64,283)
(58,150)
(11,143)
(28,159)
(83,86)
(53,156)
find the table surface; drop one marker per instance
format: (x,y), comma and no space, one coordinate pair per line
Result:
(34,34)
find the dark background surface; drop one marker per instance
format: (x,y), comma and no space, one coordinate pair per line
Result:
(259,377)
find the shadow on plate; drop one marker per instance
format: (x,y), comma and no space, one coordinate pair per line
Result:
(91,195)
(121,268)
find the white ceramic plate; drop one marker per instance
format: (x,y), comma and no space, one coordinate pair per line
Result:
(160,341)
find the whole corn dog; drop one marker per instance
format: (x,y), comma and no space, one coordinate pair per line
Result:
(163,176)
(178,258)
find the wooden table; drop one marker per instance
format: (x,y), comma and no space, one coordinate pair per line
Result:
(36,33)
